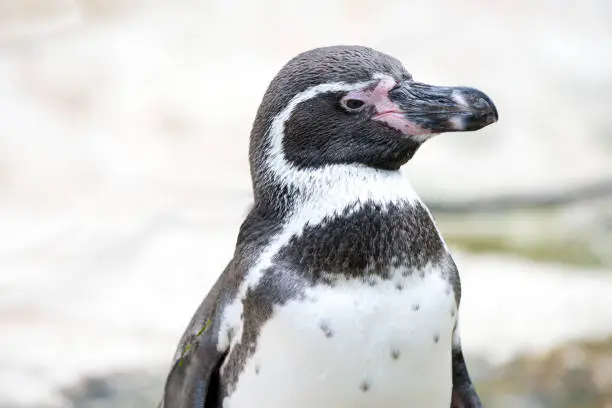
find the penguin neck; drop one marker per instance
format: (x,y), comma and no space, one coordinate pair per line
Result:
(291,200)
(348,221)
(331,190)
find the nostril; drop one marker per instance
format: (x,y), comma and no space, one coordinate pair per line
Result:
(395,87)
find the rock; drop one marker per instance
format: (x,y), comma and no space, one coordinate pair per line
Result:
(122,390)
(577,375)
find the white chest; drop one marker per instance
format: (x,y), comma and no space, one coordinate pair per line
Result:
(355,345)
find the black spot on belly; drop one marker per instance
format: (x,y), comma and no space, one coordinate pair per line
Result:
(436,338)
(326,330)
(364,386)
(416,307)
(395,353)
(257,369)
(399,286)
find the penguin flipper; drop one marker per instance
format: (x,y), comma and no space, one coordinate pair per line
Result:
(464,394)
(193,381)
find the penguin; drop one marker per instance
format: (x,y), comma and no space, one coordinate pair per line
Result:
(341,293)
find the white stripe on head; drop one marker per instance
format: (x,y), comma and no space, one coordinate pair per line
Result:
(357,180)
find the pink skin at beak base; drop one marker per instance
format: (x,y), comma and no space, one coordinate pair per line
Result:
(387,111)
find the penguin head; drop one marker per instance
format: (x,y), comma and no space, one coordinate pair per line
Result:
(354,106)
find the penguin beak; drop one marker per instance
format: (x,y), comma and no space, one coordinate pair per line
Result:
(426,109)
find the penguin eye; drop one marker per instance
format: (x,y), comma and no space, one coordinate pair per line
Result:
(352,105)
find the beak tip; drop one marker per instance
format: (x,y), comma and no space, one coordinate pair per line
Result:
(483,111)
(493,115)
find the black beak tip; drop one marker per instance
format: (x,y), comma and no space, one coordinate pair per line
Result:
(482,112)
(478,107)
(493,116)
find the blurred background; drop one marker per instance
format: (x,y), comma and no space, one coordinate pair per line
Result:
(124,177)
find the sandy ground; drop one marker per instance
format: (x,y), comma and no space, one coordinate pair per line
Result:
(123,172)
